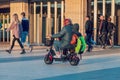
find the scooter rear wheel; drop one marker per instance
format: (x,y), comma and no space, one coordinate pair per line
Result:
(74,61)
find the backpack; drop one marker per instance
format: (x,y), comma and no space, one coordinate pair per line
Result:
(80,43)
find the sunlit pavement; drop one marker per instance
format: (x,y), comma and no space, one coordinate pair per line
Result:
(97,65)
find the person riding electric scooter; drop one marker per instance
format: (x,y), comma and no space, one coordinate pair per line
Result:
(65,36)
(64,50)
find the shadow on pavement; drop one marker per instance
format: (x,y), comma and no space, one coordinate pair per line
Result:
(18,59)
(105,74)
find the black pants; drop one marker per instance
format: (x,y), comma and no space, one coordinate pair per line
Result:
(13,42)
(88,40)
(103,39)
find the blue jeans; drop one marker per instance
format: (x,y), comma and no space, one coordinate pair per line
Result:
(57,45)
(24,37)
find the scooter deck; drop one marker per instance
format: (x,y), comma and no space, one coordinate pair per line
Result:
(60,59)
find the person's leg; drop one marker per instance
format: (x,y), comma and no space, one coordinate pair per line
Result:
(111,41)
(56,45)
(64,51)
(104,40)
(13,43)
(22,47)
(89,42)
(23,40)
(23,37)
(68,48)
(101,39)
(26,35)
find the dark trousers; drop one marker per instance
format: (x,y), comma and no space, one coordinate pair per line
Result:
(13,42)
(88,40)
(103,39)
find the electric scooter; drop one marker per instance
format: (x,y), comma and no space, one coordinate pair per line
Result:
(69,55)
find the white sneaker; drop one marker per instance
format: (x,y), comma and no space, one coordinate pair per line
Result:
(57,56)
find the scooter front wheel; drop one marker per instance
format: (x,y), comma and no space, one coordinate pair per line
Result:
(48,59)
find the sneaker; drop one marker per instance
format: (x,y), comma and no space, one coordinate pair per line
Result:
(23,52)
(57,56)
(9,51)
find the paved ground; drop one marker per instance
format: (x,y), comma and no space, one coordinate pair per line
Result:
(97,65)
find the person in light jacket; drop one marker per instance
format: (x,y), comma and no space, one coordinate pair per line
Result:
(16,32)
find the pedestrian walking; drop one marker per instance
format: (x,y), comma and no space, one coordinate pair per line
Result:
(102,31)
(89,32)
(111,31)
(25,32)
(16,31)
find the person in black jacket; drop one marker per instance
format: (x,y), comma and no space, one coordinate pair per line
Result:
(102,31)
(111,30)
(89,32)
(25,32)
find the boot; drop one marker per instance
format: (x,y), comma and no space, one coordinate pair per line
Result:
(23,52)
(9,51)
